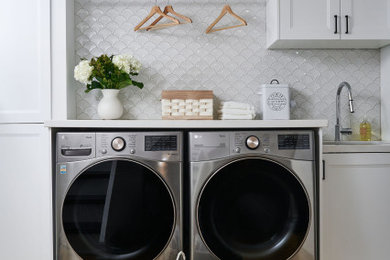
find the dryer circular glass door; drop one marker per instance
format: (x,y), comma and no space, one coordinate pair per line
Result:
(118,209)
(253,209)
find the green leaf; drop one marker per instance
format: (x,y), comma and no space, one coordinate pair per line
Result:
(89,88)
(96,84)
(124,76)
(102,82)
(125,83)
(99,79)
(93,85)
(138,84)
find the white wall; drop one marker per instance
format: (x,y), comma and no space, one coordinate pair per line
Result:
(62,40)
(385,92)
(233,63)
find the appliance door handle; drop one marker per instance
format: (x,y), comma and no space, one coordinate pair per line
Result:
(335,24)
(323,170)
(181,256)
(347,24)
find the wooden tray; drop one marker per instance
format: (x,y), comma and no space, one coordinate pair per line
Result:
(185,95)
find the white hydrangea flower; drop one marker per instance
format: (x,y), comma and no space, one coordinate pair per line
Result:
(83,71)
(127,63)
(121,62)
(135,65)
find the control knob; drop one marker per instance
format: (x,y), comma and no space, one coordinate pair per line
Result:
(252,142)
(118,144)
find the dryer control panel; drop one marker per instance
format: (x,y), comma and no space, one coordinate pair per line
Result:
(298,144)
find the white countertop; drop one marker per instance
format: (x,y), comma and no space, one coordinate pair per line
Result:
(187,124)
(356,147)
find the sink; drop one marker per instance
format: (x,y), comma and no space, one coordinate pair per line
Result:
(356,147)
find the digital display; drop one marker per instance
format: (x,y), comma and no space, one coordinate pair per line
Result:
(161,143)
(294,142)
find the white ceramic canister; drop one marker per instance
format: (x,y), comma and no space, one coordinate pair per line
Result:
(275,101)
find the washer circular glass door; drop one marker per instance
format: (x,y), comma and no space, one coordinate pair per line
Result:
(118,209)
(253,209)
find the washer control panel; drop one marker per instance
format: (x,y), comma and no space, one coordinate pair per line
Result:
(293,144)
(164,146)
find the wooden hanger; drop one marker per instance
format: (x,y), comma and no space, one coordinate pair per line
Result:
(226,9)
(156,10)
(169,9)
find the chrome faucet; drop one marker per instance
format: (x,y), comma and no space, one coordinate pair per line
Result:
(338,129)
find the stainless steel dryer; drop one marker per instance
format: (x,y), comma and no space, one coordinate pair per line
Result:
(252,195)
(118,195)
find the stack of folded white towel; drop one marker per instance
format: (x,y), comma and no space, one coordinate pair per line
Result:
(235,110)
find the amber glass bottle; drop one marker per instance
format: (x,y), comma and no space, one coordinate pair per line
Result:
(365,130)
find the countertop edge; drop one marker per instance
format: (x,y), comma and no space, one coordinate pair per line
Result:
(186,124)
(383,147)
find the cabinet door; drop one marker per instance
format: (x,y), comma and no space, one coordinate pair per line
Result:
(367,20)
(309,19)
(354,207)
(25,193)
(25,61)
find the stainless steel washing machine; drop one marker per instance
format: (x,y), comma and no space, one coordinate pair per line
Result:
(252,195)
(118,195)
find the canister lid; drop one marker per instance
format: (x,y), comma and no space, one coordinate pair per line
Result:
(273,84)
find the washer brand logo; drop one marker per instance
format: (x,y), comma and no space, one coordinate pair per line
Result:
(277,101)
(62,169)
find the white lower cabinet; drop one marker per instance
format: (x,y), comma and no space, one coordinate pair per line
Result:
(355,207)
(25,193)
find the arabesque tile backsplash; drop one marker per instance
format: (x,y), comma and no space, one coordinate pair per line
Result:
(233,63)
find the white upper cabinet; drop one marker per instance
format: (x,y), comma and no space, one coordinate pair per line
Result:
(309,19)
(25,61)
(365,19)
(328,24)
